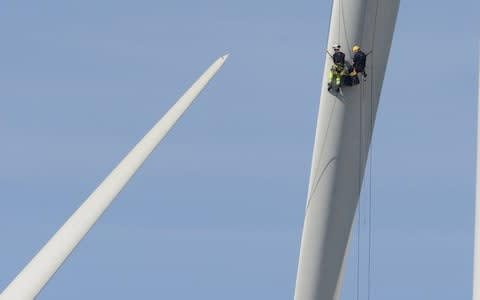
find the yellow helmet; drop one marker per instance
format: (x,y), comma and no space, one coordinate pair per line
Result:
(356,48)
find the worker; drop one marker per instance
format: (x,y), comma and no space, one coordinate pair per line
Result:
(337,69)
(335,76)
(359,61)
(338,56)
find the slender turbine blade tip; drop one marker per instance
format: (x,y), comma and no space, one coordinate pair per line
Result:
(31,280)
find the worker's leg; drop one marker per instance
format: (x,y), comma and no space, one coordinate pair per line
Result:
(338,81)
(330,79)
(361,70)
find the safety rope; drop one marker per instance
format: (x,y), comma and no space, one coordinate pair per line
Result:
(339,24)
(347,39)
(363,95)
(316,180)
(359,207)
(372,89)
(341,20)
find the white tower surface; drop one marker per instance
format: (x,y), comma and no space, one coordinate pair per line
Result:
(43,266)
(476,252)
(344,130)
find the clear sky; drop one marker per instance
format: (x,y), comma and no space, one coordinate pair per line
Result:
(217,211)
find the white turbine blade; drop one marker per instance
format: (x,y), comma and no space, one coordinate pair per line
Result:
(342,140)
(476,252)
(41,268)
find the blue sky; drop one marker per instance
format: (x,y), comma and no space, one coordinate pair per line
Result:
(217,211)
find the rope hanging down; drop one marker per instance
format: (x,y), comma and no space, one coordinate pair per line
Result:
(362,139)
(370,208)
(340,12)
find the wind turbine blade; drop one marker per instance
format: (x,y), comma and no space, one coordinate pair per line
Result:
(41,268)
(342,140)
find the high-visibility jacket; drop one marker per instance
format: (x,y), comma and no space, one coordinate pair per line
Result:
(336,74)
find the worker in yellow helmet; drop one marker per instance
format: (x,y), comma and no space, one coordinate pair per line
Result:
(359,61)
